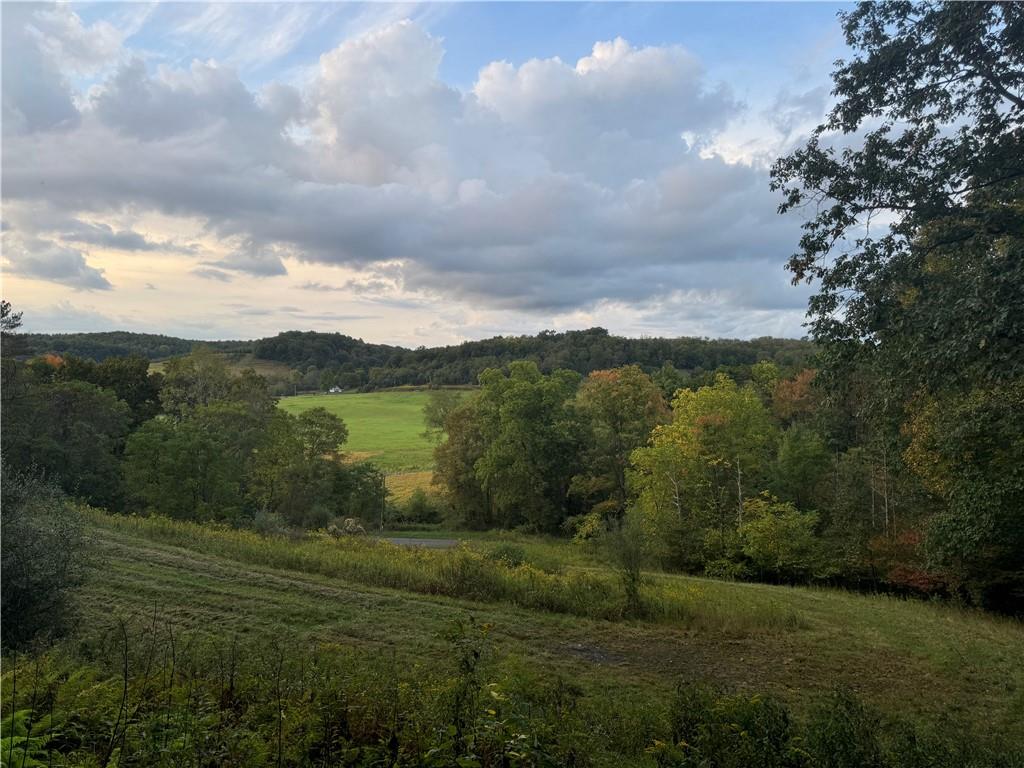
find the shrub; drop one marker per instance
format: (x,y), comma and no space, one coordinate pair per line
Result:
(711,729)
(508,554)
(420,507)
(780,541)
(43,552)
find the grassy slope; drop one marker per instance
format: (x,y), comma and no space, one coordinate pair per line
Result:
(912,658)
(385,427)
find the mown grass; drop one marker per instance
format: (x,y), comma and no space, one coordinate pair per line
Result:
(384,427)
(923,660)
(463,572)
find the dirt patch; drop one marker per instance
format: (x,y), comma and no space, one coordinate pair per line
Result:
(593,653)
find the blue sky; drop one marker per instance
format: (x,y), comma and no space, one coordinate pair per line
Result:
(411,173)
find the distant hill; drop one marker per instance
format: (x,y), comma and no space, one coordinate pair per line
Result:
(355,363)
(99,346)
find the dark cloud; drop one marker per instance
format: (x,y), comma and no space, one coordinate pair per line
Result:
(47,260)
(121,239)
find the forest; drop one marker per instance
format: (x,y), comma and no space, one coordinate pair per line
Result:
(319,361)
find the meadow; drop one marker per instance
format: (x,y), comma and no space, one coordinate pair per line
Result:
(205,645)
(555,609)
(385,428)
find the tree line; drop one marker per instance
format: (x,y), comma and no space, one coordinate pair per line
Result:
(751,481)
(195,441)
(325,360)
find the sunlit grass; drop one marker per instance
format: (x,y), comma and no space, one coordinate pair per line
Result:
(385,428)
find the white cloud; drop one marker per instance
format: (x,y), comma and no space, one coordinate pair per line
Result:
(546,188)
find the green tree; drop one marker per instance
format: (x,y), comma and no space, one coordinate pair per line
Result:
(193,381)
(923,316)
(619,409)
(439,406)
(933,93)
(321,433)
(697,470)
(192,468)
(781,542)
(12,343)
(531,439)
(802,463)
(969,453)
(70,430)
(455,466)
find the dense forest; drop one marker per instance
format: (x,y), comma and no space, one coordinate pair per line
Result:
(324,360)
(101,345)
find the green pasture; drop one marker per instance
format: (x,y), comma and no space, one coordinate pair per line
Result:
(383,427)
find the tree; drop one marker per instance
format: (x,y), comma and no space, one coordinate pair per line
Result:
(795,398)
(934,90)
(968,452)
(12,343)
(697,470)
(927,136)
(192,468)
(780,541)
(321,432)
(530,443)
(455,466)
(127,377)
(194,381)
(71,430)
(619,408)
(802,462)
(296,473)
(440,404)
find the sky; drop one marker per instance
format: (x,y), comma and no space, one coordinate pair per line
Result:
(415,174)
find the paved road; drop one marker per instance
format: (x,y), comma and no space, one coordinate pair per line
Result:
(428,543)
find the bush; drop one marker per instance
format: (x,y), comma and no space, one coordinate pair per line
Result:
(43,553)
(420,507)
(780,541)
(269,524)
(508,554)
(711,729)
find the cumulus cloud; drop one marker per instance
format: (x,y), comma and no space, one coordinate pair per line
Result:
(548,186)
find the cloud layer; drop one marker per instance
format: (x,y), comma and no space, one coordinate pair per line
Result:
(547,187)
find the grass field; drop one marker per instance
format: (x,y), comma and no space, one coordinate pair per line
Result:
(920,661)
(384,427)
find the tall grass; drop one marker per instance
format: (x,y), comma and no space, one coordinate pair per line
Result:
(459,573)
(143,695)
